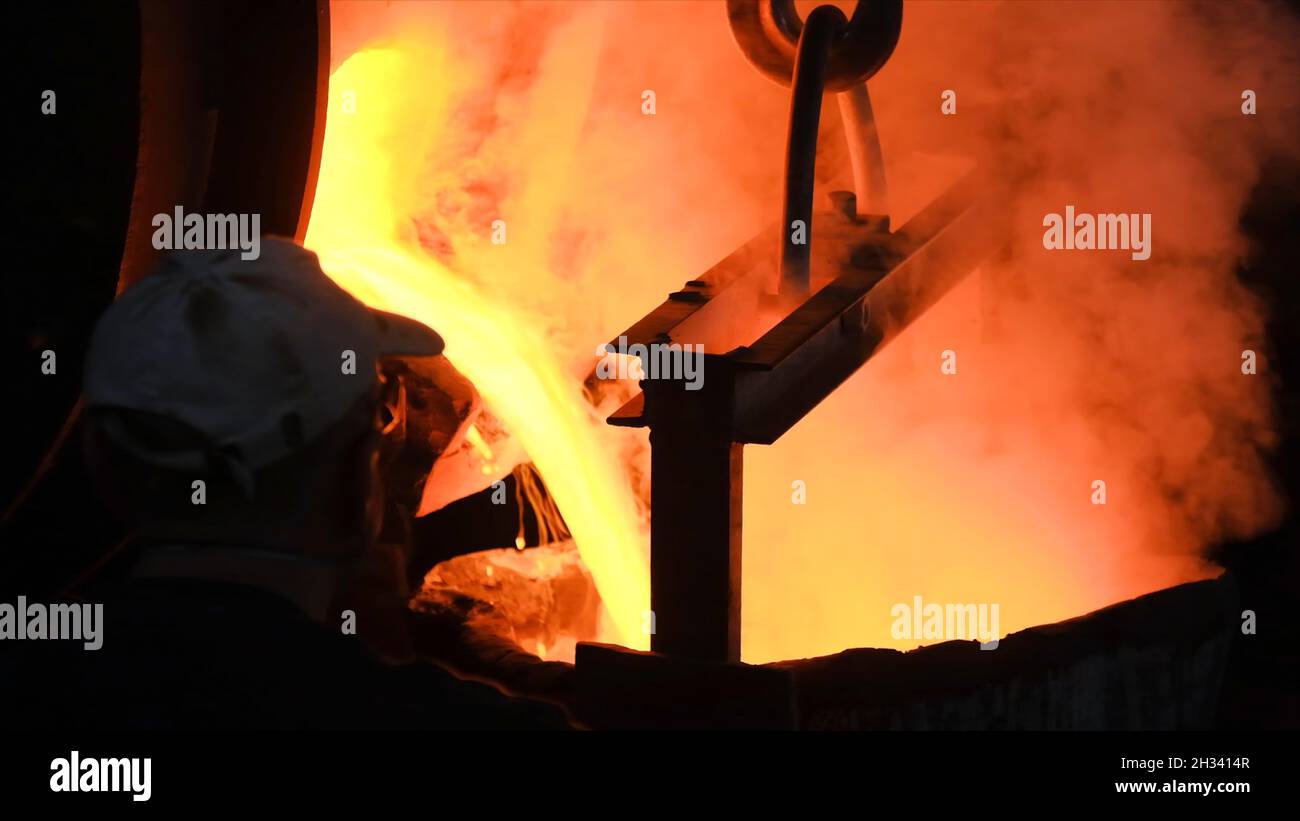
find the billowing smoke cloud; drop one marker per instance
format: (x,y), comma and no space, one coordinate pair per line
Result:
(1071,367)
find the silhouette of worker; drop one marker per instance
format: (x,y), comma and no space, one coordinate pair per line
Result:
(233,414)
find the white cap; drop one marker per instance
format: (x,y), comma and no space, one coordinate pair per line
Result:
(249,353)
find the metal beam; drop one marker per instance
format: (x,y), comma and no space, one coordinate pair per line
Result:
(873,284)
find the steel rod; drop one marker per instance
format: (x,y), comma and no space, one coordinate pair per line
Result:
(801,149)
(865,154)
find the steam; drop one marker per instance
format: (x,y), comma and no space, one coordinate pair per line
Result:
(1072,367)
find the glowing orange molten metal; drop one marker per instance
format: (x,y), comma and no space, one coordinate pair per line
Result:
(369,168)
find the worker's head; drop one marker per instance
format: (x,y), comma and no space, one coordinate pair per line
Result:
(238,402)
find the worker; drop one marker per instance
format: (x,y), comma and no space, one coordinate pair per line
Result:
(233,411)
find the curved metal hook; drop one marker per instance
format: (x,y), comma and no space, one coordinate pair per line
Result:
(767,31)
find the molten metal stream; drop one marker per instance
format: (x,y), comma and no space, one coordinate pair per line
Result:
(356,229)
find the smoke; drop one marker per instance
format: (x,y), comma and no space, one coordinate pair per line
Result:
(1072,367)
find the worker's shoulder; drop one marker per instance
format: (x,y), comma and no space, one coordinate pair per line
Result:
(433,697)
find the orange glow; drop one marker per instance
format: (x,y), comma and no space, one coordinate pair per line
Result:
(973,487)
(357,229)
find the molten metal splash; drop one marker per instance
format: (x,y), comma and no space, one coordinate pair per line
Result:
(357,223)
